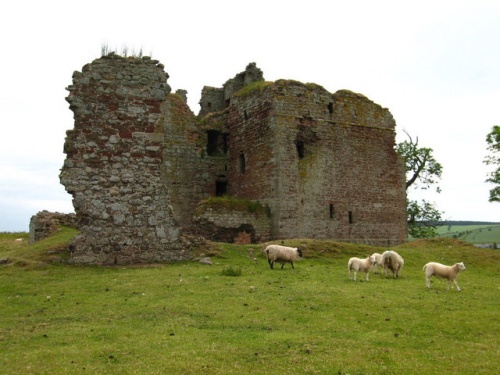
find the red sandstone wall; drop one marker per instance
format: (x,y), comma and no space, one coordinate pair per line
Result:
(114,162)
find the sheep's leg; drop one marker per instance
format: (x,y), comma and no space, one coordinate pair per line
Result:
(355,273)
(271,263)
(368,276)
(456,285)
(292,265)
(282,265)
(428,281)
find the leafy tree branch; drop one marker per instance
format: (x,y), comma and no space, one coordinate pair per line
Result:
(493,141)
(421,166)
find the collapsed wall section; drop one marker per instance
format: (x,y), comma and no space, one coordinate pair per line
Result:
(191,168)
(114,162)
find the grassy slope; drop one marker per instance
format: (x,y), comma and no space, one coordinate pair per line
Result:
(187,318)
(472,233)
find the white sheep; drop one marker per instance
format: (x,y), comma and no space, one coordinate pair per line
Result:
(378,261)
(392,261)
(360,265)
(282,254)
(440,270)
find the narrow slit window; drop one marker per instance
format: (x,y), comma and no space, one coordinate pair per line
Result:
(300,149)
(245,114)
(351,220)
(330,107)
(332,210)
(242,163)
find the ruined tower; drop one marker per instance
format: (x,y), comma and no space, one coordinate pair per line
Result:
(114,161)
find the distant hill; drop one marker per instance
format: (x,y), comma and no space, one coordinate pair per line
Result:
(460,223)
(475,232)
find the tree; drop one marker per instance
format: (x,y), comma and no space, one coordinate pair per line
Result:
(423,219)
(420,164)
(424,171)
(493,141)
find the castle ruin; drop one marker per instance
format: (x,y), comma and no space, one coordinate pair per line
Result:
(141,166)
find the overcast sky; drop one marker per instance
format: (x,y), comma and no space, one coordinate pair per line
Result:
(434,64)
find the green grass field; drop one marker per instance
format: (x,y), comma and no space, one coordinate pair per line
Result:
(477,234)
(188,318)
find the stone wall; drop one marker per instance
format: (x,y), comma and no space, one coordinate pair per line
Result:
(227,225)
(46,223)
(212,100)
(114,163)
(324,163)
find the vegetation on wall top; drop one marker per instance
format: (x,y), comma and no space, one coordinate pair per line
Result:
(252,87)
(235,204)
(125,51)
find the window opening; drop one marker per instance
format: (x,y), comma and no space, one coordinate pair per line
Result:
(300,149)
(212,141)
(330,107)
(217,143)
(245,114)
(350,217)
(242,163)
(220,188)
(332,210)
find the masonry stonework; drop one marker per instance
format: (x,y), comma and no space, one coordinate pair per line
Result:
(139,163)
(45,224)
(114,164)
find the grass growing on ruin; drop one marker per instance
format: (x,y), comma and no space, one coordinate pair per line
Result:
(188,318)
(253,87)
(227,202)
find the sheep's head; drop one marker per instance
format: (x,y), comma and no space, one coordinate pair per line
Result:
(372,259)
(461,266)
(299,252)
